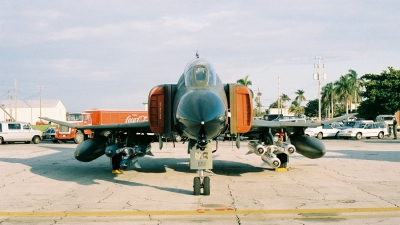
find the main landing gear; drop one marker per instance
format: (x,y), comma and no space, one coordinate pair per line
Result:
(201,182)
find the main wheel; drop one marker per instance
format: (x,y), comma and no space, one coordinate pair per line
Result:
(206,186)
(380,135)
(79,137)
(196,186)
(358,136)
(284,158)
(320,135)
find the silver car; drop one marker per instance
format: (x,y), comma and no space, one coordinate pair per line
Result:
(367,130)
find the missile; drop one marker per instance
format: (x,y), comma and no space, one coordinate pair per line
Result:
(143,150)
(271,160)
(255,148)
(286,148)
(113,150)
(127,161)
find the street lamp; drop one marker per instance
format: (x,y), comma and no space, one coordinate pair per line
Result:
(318,76)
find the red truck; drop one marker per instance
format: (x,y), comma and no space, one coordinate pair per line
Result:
(95,117)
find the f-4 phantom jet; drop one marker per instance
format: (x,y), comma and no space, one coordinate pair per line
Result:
(198,109)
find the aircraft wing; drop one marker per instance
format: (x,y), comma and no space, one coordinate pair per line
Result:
(259,125)
(140,127)
(59,122)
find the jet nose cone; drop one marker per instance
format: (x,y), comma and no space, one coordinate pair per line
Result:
(201,112)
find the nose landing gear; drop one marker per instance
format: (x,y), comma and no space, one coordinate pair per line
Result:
(200,160)
(201,182)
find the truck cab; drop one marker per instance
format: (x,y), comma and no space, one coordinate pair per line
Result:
(64,133)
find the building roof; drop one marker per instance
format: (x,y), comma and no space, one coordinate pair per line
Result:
(30,103)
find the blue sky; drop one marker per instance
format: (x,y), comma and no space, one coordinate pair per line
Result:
(109,54)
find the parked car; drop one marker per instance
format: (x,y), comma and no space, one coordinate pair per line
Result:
(347,124)
(323,131)
(50,133)
(18,132)
(368,130)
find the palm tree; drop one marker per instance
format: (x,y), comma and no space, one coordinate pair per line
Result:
(355,86)
(344,90)
(246,82)
(328,97)
(300,96)
(295,108)
(284,98)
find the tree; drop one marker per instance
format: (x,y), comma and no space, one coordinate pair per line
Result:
(382,93)
(355,84)
(328,98)
(311,109)
(274,104)
(246,82)
(284,98)
(295,108)
(300,96)
(344,90)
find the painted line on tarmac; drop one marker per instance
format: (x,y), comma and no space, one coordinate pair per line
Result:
(221,211)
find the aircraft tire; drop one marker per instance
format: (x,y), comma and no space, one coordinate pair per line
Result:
(206,186)
(284,160)
(196,186)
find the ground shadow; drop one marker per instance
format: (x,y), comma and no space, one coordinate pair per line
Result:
(61,165)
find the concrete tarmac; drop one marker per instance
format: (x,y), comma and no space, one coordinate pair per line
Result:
(356,182)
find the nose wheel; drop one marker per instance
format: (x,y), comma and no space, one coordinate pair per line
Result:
(201,182)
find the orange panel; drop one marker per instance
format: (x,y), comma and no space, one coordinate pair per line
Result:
(156,109)
(244,116)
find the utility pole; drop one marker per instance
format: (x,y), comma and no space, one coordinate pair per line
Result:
(332,100)
(40,101)
(318,76)
(16,99)
(279,96)
(259,100)
(9,105)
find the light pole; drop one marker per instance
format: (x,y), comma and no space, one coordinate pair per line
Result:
(318,76)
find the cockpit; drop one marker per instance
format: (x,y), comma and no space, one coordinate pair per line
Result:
(199,73)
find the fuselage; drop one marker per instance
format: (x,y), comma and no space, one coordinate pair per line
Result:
(200,104)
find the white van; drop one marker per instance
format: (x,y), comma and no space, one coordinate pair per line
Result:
(387,119)
(18,132)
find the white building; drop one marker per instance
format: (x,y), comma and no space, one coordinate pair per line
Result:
(30,110)
(283,111)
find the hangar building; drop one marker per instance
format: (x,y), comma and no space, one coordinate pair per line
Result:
(30,110)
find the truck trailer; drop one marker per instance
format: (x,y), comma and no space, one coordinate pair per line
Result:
(95,117)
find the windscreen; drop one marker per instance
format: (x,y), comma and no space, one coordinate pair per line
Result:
(199,73)
(75,117)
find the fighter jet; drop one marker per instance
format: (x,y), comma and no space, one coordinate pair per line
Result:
(199,109)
